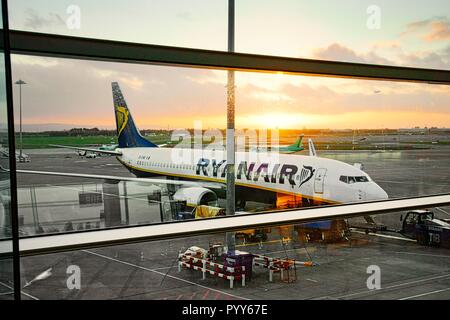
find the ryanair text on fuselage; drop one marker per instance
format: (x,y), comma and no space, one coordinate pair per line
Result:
(279,173)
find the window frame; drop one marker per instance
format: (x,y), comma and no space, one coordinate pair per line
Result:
(51,45)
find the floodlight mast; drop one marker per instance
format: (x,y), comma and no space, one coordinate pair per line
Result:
(20,82)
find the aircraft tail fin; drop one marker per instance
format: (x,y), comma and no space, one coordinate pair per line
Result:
(298,142)
(312,148)
(127,133)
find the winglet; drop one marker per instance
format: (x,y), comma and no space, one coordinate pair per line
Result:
(312,149)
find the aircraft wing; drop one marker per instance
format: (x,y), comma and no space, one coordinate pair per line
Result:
(88,149)
(211,185)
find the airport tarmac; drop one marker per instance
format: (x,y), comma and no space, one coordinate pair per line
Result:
(149,270)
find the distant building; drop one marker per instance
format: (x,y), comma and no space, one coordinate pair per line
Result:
(415,130)
(440,130)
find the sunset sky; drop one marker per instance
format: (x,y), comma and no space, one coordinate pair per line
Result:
(75,92)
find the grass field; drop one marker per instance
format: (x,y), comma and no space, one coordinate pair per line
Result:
(43,141)
(39,141)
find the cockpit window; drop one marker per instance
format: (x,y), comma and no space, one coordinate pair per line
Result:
(350,180)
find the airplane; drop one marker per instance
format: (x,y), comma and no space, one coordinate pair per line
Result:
(103,147)
(296,147)
(109,147)
(200,174)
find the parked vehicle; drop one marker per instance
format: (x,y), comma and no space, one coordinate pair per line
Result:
(422,226)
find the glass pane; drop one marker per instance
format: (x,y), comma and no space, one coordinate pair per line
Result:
(373,140)
(6,265)
(171,106)
(327,141)
(195,24)
(355,31)
(320,260)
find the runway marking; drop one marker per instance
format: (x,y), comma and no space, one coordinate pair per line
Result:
(263,242)
(299,250)
(384,236)
(424,254)
(24,293)
(442,210)
(395,286)
(252,244)
(163,274)
(163,268)
(413,282)
(424,294)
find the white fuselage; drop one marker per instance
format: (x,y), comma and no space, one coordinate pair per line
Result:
(326,180)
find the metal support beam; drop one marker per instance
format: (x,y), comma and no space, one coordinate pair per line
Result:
(110,237)
(230,236)
(82,48)
(12,154)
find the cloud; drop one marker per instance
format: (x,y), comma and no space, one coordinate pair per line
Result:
(203,76)
(34,60)
(79,91)
(432,60)
(338,52)
(439,59)
(434,29)
(37,22)
(69,91)
(333,98)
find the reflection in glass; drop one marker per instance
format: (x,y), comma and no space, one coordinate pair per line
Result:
(318,260)
(301,142)
(6,265)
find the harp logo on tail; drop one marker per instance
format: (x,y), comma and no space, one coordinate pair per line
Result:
(122,115)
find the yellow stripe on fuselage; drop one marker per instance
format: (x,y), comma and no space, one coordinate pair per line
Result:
(220,181)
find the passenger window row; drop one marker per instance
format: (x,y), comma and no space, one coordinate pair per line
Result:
(165,165)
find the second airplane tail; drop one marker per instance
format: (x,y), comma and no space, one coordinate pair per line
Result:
(127,133)
(297,143)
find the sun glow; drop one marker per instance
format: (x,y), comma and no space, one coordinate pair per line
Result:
(274,120)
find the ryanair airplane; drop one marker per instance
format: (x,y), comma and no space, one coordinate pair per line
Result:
(199,176)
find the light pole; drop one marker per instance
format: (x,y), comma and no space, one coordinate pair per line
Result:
(20,83)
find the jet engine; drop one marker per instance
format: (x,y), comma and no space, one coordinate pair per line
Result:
(196,196)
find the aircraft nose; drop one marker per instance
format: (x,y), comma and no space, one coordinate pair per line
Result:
(375,192)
